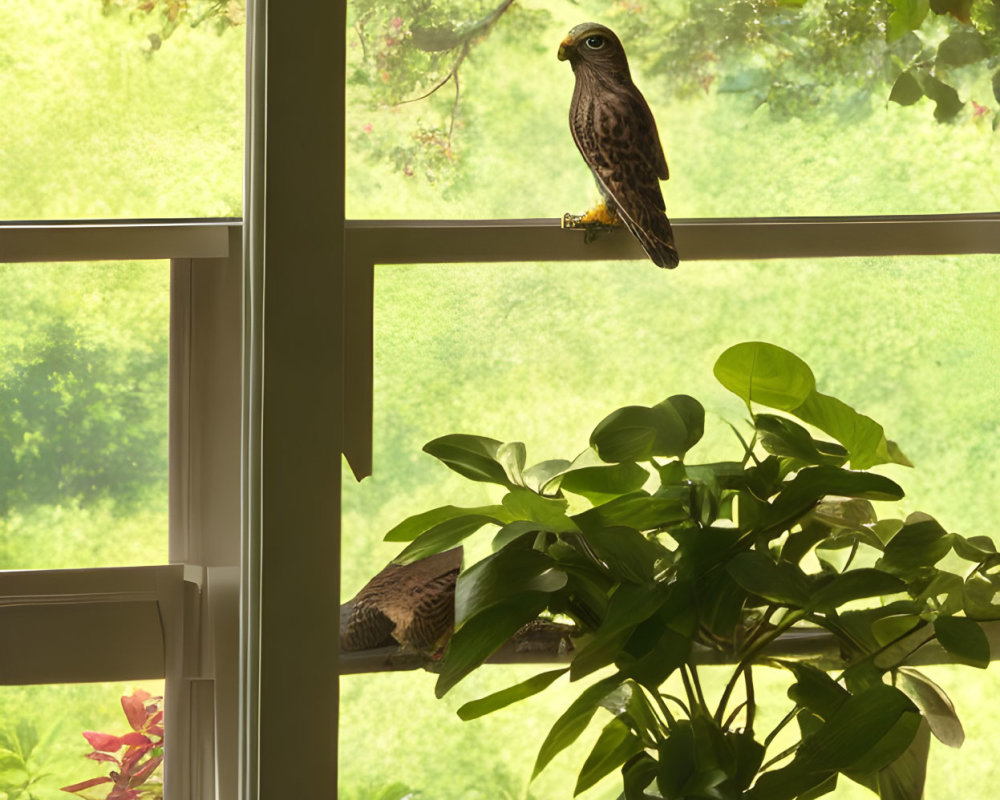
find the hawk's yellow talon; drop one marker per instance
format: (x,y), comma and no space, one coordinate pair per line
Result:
(600,215)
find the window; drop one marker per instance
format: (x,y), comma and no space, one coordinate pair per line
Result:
(511,328)
(121,376)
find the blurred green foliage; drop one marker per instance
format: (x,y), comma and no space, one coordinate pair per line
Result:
(83,429)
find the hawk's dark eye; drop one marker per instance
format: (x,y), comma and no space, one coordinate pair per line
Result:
(595,42)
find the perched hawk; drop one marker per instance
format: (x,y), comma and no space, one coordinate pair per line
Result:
(615,132)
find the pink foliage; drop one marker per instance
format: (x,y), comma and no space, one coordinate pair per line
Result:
(143,750)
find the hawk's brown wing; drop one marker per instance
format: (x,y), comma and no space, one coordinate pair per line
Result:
(615,132)
(412,604)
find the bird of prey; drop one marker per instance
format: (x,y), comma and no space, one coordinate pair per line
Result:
(412,605)
(615,133)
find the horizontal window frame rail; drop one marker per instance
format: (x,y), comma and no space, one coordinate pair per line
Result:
(751,238)
(458,241)
(115,240)
(820,648)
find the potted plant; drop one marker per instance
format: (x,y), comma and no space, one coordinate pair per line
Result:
(662,565)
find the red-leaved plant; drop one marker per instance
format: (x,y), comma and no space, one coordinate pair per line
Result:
(142,755)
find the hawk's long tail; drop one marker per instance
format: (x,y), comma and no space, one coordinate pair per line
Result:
(658,241)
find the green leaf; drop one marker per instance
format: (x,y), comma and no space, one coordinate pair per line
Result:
(662,643)
(540,475)
(512,456)
(13,771)
(904,778)
(845,739)
(573,721)
(908,15)
(901,649)
(473,644)
(974,548)
(764,373)
(855,728)
(445,535)
(676,758)
(629,554)
(513,531)
(782,437)
(749,756)
(961,48)
(921,542)
(616,745)
(781,583)
(548,512)
(504,576)
(813,483)
(814,689)
(889,748)
(637,774)
(474,457)
(959,9)
(691,414)
(862,436)
(945,97)
(791,782)
(629,605)
(510,695)
(639,433)
(628,434)
(395,791)
(891,627)
(996,85)
(629,703)
(934,704)
(906,90)
(606,482)
(638,510)
(411,527)
(964,639)
(855,584)
(977,599)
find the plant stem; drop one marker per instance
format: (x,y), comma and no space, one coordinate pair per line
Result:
(850,558)
(670,718)
(778,728)
(783,754)
(793,616)
(730,685)
(732,717)
(697,685)
(688,689)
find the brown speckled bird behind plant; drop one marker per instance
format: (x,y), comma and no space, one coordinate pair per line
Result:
(412,605)
(615,132)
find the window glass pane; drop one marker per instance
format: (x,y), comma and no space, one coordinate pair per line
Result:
(83,428)
(540,353)
(42,741)
(430,751)
(100,124)
(763,109)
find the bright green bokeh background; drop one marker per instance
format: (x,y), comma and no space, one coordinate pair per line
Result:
(93,127)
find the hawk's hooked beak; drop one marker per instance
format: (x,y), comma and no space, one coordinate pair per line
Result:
(564,47)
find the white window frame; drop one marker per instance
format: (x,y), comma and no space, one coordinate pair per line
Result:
(178,620)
